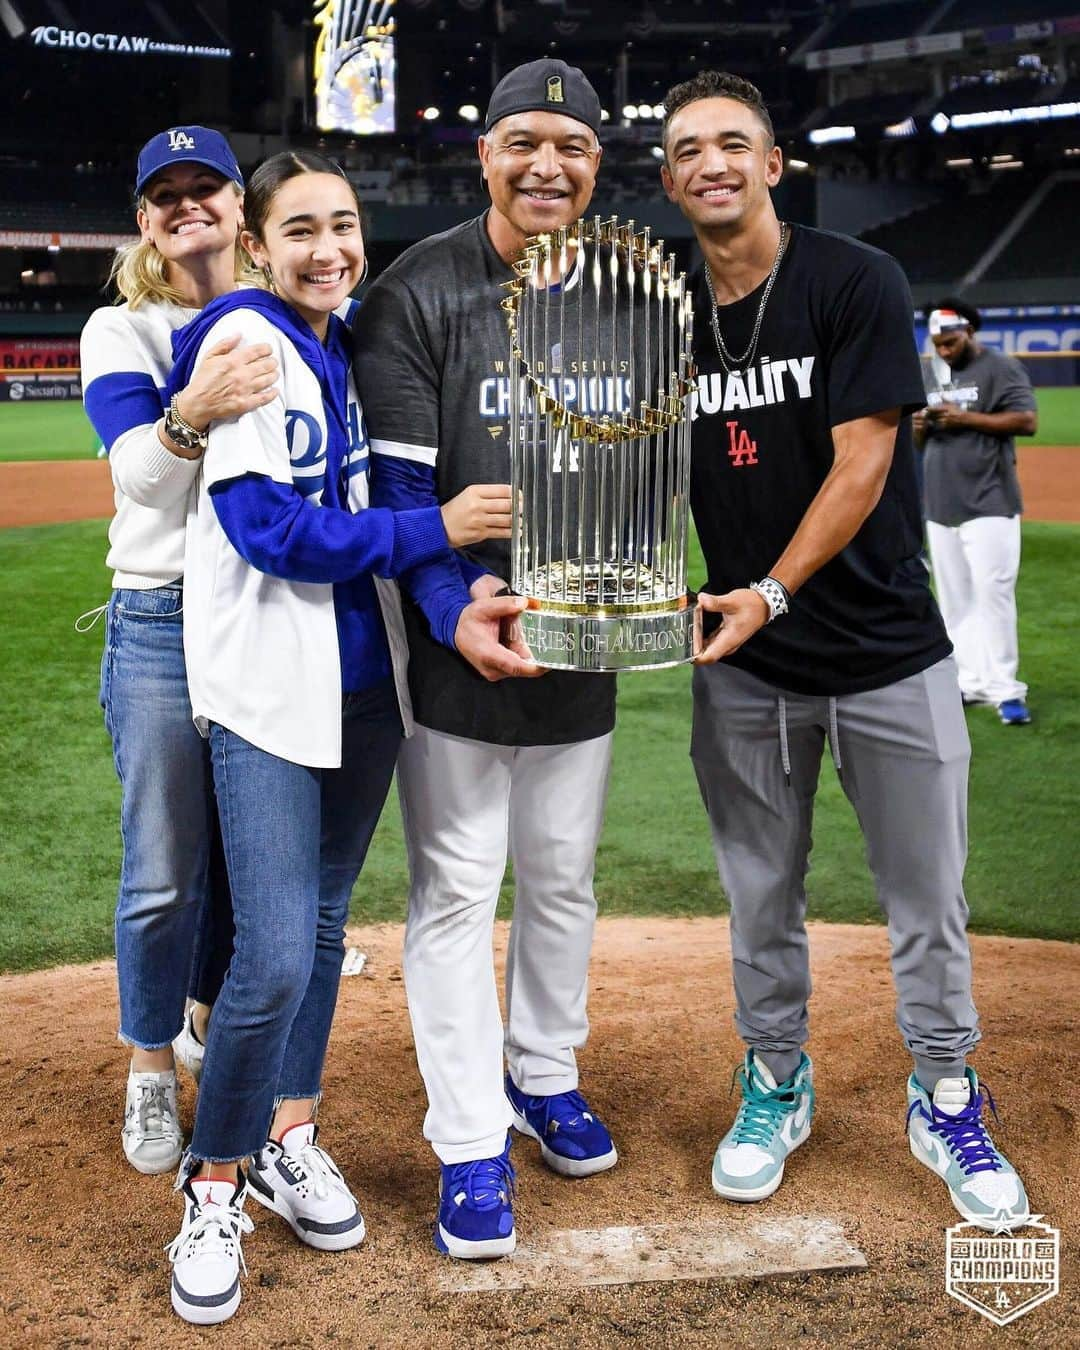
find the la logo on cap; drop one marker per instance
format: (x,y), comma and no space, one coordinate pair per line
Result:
(180,140)
(554,89)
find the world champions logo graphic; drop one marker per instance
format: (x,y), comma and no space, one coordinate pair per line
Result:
(1001,1275)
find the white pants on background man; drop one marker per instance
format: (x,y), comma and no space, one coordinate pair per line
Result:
(975,569)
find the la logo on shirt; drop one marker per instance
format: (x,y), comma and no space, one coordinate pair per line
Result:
(764,385)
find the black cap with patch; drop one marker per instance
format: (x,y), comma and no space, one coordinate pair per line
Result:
(547,85)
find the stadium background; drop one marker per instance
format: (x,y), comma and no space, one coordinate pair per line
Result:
(946,133)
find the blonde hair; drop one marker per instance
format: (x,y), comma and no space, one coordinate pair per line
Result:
(140,274)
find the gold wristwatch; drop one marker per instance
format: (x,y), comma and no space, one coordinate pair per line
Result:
(182,433)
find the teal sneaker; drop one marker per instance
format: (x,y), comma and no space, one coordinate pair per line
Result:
(773,1120)
(947,1135)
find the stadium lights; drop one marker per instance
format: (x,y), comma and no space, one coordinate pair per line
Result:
(905,128)
(430,114)
(644,110)
(658,111)
(630,112)
(799,165)
(657,152)
(605,116)
(939,123)
(469,112)
(826,135)
(958,163)
(1001,159)
(1012,164)
(1071,150)
(995,117)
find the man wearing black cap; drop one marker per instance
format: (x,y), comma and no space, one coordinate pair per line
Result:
(973,506)
(518,766)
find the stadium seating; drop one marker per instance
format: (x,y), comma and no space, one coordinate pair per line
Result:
(879,24)
(1042,247)
(990,13)
(940,243)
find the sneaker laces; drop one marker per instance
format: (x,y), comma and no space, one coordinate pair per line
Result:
(487,1182)
(564,1111)
(153,1110)
(762,1110)
(215,1230)
(313,1165)
(964,1133)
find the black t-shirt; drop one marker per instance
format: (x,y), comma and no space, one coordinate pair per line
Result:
(836,344)
(432,355)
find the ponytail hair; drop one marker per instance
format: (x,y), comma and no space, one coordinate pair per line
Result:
(140,273)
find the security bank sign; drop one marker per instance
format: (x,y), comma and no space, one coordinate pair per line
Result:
(999,1275)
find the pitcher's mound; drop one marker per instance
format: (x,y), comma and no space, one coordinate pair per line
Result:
(83,1234)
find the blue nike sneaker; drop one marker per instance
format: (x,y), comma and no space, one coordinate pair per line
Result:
(476,1218)
(947,1135)
(573,1141)
(773,1120)
(1014,712)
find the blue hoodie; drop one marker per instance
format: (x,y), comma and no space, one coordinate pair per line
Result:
(278,531)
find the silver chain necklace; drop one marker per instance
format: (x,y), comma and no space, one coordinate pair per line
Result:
(735,365)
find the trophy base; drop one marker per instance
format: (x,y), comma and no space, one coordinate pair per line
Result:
(611,642)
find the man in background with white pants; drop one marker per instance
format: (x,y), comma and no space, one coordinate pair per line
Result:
(973,505)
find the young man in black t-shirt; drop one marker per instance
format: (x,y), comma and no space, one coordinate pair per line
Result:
(803,493)
(520,765)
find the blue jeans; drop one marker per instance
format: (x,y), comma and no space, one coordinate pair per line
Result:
(170,884)
(295,840)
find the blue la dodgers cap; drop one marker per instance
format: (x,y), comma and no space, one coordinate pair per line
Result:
(186,145)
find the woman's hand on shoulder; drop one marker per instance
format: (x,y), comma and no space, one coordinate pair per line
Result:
(481,511)
(231,380)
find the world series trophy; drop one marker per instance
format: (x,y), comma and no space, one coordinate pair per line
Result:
(600,377)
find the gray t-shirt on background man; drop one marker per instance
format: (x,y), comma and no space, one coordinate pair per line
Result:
(968,473)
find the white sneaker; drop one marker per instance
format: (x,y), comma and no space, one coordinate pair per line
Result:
(299,1181)
(772,1121)
(188,1049)
(205,1254)
(947,1134)
(151,1136)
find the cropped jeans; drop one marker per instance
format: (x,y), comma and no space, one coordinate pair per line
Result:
(295,841)
(173,924)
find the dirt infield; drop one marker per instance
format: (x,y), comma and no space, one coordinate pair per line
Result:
(51,492)
(48,493)
(83,1234)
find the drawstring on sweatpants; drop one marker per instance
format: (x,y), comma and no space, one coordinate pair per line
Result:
(785,755)
(833,737)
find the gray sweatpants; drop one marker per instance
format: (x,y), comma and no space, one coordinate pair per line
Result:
(903,754)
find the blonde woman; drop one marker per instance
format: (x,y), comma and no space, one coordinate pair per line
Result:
(189,192)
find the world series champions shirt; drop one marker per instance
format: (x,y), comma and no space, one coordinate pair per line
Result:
(968,473)
(836,344)
(432,365)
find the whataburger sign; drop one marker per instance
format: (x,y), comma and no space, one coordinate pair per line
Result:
(131,44)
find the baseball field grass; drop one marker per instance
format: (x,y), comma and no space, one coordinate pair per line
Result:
(61,431)
(59,800)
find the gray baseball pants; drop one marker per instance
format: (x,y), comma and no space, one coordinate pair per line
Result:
(902,753)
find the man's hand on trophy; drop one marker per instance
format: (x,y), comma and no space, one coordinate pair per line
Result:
(742,613)
(481,511)
(485,637)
